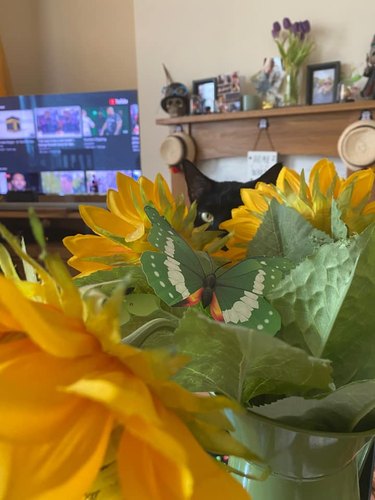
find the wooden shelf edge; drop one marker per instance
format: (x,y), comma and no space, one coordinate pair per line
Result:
(274,112)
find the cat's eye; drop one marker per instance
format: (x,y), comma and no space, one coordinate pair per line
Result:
(207,217)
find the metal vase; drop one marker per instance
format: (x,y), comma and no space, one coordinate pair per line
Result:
(304,465)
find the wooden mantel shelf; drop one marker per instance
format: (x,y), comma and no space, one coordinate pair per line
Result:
(294,130)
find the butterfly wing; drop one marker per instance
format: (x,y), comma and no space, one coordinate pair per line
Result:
(176,273)
(239,294)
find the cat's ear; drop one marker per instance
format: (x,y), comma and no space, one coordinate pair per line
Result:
(271,175)
(197,183)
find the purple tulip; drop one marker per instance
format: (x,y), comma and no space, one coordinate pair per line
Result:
(287,24)
(276,27)
(306,26)
(294,28)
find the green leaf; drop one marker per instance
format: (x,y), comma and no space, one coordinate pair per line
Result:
(28,268)
(284,232)
(107,280)
(338,227)
(19,250)
(310,297)
(350,408)
(6,264)
(243,363)
(141,304)
(351,344)
(37,230)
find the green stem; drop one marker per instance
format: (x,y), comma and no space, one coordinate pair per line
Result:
(138,337)
(291,85)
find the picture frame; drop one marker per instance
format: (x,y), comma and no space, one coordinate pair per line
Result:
(228,92)
(207,90)
(322,82)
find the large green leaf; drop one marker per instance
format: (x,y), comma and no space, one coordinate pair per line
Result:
(351,343)
(284,232)
(350,408)
(310,297)
(243,363)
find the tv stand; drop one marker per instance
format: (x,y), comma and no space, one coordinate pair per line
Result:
(59,215)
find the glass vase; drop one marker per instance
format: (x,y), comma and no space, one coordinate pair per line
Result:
(291,85)
(303,464)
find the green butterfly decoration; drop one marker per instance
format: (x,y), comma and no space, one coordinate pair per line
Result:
(181,276)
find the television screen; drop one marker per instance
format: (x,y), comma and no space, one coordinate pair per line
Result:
(68,143)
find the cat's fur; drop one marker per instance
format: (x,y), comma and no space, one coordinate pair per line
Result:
(219,198)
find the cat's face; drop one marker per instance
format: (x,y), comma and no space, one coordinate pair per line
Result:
(215,200)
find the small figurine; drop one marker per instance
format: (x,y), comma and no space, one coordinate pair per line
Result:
(176,97)
(369,89)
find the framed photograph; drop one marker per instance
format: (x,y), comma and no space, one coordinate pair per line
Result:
(268,81)
(228,92)
(207,91)
(322,83)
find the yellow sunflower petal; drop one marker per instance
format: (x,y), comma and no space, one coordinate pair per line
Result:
(198,477)
(8,323)
(65,467)
(146,189)
(70,297)
(102,221)
(31,407)
(86,268)
(253,200)
(129,191)
(369,208)
(117,205)
(67,338)
(121,392)
(288,182)
(135,235)
(152,465)
(81,245)
(162,194)
(362,183)
(323,175)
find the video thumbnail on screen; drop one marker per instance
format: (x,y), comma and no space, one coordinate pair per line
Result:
(59,121)
(103,121)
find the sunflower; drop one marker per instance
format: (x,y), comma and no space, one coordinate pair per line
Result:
(121,231)
(73,398)
(313,201)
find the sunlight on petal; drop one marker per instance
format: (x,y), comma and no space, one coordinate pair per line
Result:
(28,391)
(121,392)
(63,468)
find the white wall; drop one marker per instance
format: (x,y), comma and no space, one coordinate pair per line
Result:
(203,38)
(87,45)
(69,45)
(20,36)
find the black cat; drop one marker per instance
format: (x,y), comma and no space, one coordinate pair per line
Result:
(215,200)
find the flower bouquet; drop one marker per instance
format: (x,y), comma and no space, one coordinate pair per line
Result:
(295,45)
(86,416)
(276,316)
(311,366)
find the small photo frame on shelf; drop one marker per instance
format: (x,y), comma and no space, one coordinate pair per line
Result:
(228,92)
(207,91)
(322,82)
